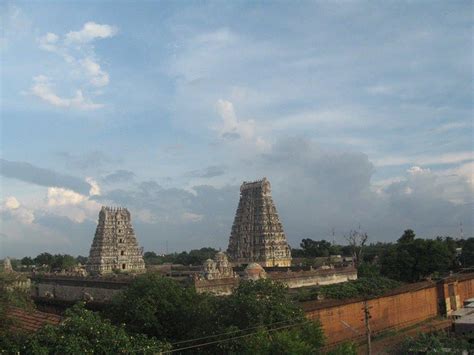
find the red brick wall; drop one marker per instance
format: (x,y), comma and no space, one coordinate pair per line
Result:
(465,289)
(388,312)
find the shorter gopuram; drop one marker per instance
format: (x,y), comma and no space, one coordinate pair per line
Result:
(257,234)
(115,247)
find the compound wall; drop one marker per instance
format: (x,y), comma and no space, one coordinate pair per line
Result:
(344,321)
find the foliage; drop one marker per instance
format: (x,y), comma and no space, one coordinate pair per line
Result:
(413,259)
(313,248)
(51,262)
(27,261)
(433,343)
(160,307)
(467,254)
(82,259)
(366,269)
(261,302)
(11,296)
(362,287)
(347,348)
(194,257)
(253,314)
(84,331)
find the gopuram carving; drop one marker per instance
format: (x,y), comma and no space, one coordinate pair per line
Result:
(257,234)
(115,247)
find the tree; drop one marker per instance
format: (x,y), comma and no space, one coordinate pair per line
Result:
(313,248)
(467,254)
(411,259)
(407,237)
(267,305)
(27,261)
(84,331)
(261,302)
(357,242)
(82,259)
(159,306)
(63,262)
(44,259)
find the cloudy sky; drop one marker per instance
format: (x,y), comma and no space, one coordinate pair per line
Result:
(358,113)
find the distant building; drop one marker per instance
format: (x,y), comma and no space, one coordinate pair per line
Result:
(257,234)
(115,247)
(219,268)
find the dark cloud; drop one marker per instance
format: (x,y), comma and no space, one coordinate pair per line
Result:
(119,176)
(209,172)
(230,135)
(44,177)
(91,160)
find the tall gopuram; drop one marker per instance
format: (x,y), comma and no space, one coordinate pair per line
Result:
(115,246)
(257,233)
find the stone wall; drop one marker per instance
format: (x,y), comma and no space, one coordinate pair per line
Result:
(218,287)
(73,289)
(314,277)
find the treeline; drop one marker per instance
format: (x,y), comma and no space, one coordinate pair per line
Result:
(48,262)
(193,257)
(410,259)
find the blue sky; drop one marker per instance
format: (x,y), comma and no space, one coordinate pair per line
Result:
(357,112)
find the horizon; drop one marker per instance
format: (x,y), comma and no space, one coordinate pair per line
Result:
(359,114)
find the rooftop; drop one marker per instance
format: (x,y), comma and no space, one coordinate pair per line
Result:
(30,320)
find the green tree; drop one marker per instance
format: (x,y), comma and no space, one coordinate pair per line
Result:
(159,306)
(84,331)
(283,328)
(82,259)
(44,259)
(467,254)
(407,237)
(27,261)
(63,261)
(414,259)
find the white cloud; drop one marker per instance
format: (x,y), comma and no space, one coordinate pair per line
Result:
(233,128)
(446,158)
(89,32)
(43,88)
(416,170)
(191,217)
(11,207)
(77,51)
(95,188)
(58,196)
(97,76)
(49,41)
(12,203)
(70,204)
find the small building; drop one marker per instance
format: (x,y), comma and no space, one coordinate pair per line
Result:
(465,326)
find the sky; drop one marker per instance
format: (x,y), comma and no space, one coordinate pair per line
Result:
(359,113)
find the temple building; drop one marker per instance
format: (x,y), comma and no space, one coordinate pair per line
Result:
(257,234)
(115,247)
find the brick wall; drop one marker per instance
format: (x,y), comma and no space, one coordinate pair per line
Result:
(344,320)
(465,289)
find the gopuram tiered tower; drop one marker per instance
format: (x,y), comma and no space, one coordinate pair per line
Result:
(115,246)
(257,234)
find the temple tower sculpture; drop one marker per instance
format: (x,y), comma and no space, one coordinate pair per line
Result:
(257,234)
(115,246)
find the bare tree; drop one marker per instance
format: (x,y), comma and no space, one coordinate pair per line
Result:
(356,241)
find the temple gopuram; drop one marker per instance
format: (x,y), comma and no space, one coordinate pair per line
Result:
(115,247)
(257,234)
